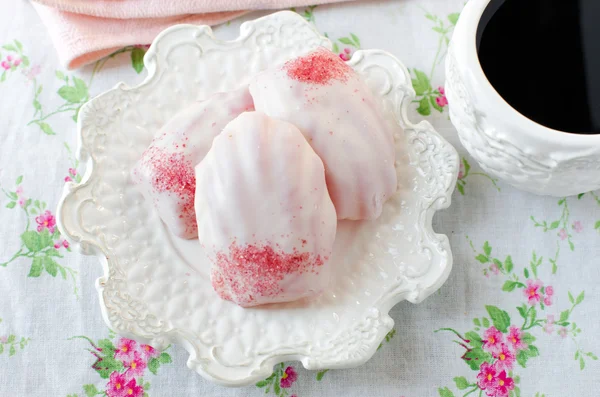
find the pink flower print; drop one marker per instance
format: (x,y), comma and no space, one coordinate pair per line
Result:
(288,378)
(505,359)
(7,64)
(125,349)
(46,221)
(492,340)
(22,201)
(19,190)
(57,245)
(135,365)
(132,389)
(503,385)
(562,234)
(65,243)
(461,171)
(3,339)
(344,57)
(486,378)
(532,291)
(33,72)
(441,101)
(548,301)
(563,332)
(549,290)
(549,326)
(577,226)
(494,269)
(68,179)
(515,338)
(72,171)
(116,386)
(148,351)
(17,62)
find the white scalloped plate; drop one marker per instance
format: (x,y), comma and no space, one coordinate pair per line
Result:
(156,287)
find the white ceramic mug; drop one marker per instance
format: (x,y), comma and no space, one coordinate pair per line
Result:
(505,143)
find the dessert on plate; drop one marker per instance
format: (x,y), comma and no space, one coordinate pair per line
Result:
(265,218)
(165,172)
(261,175)
(339,116)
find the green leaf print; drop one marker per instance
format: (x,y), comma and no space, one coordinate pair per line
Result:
(499,317)
(461,382)
(165,358)
(36,267)
(76,93)
(508,264)
(31,239)
(51,266)
(475,357)
(445,392)
(137,59)
(90,390)
(421,83)
(424,108)
(453,18)
(320,374)
(474,339)
(487,249)
(509,286)
(107,346)
(153,365)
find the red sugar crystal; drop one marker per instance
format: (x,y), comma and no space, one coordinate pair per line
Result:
(174,174)
(319,67)
(254,270)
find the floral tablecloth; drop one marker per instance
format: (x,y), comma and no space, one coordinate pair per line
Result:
(517,317)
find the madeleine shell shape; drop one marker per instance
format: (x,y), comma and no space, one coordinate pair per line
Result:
(265,218)
(165,172)
(343,122)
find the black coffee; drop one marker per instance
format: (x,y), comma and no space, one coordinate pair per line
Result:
(543,58)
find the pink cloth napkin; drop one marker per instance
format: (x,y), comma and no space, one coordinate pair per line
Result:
(84,31)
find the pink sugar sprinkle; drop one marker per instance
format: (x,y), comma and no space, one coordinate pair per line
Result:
(174,174)
(319,67)
(256,270)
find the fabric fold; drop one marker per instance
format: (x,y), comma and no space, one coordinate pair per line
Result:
(84,31)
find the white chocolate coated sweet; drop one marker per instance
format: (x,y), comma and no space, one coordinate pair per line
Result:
(342,121)
(165,172)
(265,218)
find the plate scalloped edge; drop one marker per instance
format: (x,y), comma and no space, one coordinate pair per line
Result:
(436,161)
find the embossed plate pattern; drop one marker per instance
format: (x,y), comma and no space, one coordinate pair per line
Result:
(156,288)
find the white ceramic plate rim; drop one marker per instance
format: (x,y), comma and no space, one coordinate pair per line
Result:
(71,226)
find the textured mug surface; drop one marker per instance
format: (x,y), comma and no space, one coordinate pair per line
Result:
(505,143)
(156,288)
